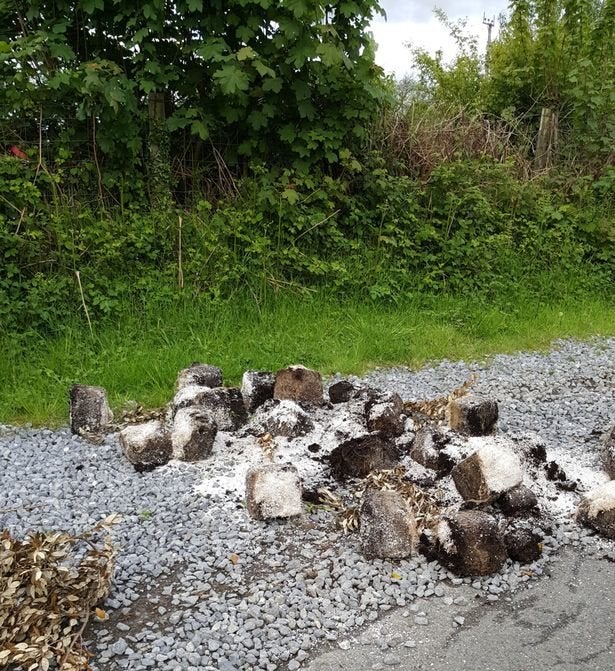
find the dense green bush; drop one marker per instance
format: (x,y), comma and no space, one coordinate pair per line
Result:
(474,225)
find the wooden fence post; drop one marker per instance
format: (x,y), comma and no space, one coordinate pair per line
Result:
(546,142)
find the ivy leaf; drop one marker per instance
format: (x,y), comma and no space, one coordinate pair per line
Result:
(231,79)
(257,120)
(297,7)
(90,6)
(274,84)
(246,54)
(195,5)
(213,50)
(288,134)
(262,69)
(200,129)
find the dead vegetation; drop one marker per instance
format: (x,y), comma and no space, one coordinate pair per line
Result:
(434,409)
(423,504)
(50,583)
(132,413)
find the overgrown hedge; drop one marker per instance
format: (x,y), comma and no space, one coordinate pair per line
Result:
(473,226)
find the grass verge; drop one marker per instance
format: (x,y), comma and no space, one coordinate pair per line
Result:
(137,357)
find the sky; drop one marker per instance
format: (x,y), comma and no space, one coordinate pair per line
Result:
(413,21)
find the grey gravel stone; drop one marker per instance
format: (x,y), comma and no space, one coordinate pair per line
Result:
(119,647)
(391,660)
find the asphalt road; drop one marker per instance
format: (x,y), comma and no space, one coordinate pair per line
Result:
(564,621)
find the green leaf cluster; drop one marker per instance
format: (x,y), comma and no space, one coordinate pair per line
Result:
(292,82)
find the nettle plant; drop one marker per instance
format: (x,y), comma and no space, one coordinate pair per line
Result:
(291,82)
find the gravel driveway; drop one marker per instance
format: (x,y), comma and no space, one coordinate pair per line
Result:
(199,585)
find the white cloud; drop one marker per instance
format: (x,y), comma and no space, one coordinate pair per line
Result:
(415,22)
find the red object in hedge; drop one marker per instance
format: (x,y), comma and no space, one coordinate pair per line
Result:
(16,151)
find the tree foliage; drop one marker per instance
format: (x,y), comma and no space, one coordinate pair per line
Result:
(559,54)
(290,81)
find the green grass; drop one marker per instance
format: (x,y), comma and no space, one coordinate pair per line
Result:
(138,356)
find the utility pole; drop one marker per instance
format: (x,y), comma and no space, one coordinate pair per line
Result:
(489,22)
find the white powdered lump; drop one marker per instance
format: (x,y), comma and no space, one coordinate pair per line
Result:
(89,409)
(146,445)
(468,542)
(273,490)
(488,472)
(597,509)
(223,405)
(193,434)
(388,527)
(283,418)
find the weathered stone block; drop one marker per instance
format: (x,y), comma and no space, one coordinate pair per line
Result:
(523,545)
(300,384)
(223,405)
(487,473)
(473,415)
(146,445)
(608,452)
(193,434)
(387,525)
(201,375)
(597,509)
(358,457)
(89,409)
(429,449)
(384,413)
(256,388)
(343,391)
(469,543)
(285,418)
(272,491)
(517,500)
